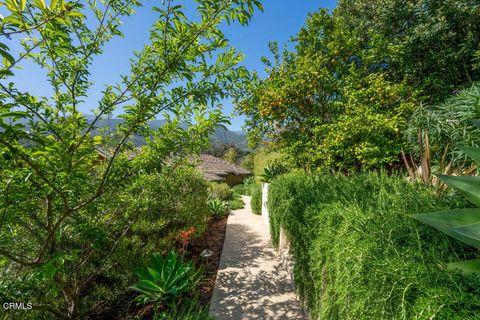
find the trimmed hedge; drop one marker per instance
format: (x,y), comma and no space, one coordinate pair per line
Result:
(358,254)
(256,200)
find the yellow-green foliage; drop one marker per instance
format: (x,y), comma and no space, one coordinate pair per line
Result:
(262,158)
(256,200)
(359,255)
(247,162)
(219,191)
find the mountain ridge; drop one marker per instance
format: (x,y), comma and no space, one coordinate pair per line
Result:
(220,137)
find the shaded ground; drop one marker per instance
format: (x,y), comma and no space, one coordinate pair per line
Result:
(251,283)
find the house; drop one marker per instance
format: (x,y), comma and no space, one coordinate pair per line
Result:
(213,168)
(219,170)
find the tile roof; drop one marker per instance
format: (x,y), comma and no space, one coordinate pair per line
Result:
(214,168)
(213,177)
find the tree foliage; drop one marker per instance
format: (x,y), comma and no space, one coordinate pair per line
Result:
(231,155)
(341,98)
(62,207)
(438,41)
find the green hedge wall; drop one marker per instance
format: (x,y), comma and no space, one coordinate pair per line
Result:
(358,254)
(256,200)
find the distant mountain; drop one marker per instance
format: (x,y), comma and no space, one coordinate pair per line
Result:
(221,136)
(232,138)
(221,139)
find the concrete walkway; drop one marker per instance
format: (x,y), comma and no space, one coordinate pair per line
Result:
(251,283)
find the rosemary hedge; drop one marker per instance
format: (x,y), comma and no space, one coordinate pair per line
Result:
(358,254)
(256,201)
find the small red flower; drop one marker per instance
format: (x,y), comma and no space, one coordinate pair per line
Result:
(185,236)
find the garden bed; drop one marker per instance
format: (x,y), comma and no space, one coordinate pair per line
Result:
(212,239)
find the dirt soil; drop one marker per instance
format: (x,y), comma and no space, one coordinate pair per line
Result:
(212,239)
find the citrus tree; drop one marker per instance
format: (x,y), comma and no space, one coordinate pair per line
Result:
(329,103)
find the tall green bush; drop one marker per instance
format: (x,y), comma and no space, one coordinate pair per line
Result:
(165,203)
(264,157)
(256,199)
(358,254)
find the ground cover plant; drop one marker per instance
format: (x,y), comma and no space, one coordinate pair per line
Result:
(236,202)
(359,255)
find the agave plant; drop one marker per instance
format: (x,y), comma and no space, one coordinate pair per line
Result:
(166,280)
(462,224)
(271,171)
(218,208)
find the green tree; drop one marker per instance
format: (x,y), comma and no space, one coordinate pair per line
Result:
(327,104)
(438,42)
(341,98)
(61,207)
(231,155)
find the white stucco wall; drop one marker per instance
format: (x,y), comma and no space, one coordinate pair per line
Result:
(265,204)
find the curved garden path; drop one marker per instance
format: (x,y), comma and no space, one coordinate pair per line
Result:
(251,282)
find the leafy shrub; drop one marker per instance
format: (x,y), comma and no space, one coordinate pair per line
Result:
(247,162)
(239,189)
(358,254)
(218,208)
(249,184)
(165,203)
(262,158)
(166,280)
(256,200)
(220,191)
(237,203)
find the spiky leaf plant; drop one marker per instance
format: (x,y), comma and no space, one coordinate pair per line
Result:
(462,224)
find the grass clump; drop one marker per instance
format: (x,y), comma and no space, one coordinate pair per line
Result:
(359,255)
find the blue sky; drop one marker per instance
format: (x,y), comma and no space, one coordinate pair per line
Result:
(280,20)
